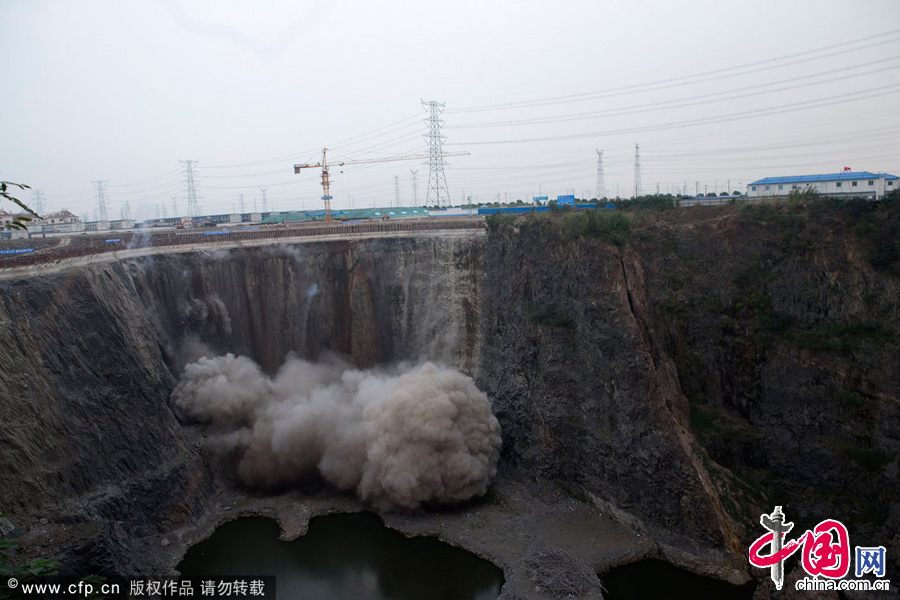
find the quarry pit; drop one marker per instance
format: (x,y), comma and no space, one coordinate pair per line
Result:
(606,452)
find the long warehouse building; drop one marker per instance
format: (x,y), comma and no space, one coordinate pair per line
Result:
(848,184)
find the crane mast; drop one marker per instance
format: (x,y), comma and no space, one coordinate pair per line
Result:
(326,181)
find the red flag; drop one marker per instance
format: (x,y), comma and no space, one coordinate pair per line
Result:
(847,169)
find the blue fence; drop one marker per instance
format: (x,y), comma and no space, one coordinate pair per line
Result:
(17,251)
(113,241)
(216,232)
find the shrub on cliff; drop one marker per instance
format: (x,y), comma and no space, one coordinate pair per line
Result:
(612,228)
(649,202)
(549,314)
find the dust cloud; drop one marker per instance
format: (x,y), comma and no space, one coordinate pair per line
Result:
(397,436)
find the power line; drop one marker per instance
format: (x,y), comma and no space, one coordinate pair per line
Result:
(792,107)
(685,80)
(695,100)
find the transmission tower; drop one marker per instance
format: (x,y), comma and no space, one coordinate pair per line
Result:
(438,193)
(601,180)
(38,202)
(265,204)
(637,171)
(415,195)
(101,202)
(174,206)
(242,203)
(190,184)
(397,191)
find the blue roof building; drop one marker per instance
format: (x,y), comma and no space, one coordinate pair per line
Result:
(847,184)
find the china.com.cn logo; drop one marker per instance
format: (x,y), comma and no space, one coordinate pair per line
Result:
(825,550)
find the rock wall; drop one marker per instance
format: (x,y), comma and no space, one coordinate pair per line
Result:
(719,363)
(715,364)
(89,358)
(582,390)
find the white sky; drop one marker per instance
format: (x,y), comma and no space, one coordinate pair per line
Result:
(713,91)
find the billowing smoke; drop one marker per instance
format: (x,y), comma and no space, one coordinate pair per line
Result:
(396,437)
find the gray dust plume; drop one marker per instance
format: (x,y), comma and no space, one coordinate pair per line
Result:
(397,437)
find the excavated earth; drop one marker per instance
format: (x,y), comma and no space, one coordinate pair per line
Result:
(655,397)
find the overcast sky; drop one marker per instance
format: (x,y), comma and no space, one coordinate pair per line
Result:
(716,93)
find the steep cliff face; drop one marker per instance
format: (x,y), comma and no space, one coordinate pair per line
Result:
(717,364)
(85,434)
(582,390)
(784,324)
(89,358)
(710,366)
(379,300)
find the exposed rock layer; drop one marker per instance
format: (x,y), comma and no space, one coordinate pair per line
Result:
(685,381)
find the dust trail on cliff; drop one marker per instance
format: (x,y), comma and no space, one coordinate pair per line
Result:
(397,437)
(311,292)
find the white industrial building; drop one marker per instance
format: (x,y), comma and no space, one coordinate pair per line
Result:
(848,184)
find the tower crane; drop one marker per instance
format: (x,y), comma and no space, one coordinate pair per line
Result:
(324,165)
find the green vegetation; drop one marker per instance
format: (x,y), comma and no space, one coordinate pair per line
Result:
(807,194)
(651,202)
(851,400)
(607,226)
(828,336)
(21,221)
(875,224)
(870,460)
(32,568)
(499,221)
(547,313)
(610,227)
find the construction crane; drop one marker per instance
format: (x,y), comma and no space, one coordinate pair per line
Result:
(324,165)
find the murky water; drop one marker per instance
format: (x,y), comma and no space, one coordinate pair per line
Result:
(653,579)
(344,556)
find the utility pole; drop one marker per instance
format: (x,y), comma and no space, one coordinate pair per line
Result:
(438,193)
(601,179)
(415,187)
(101,202)
(637,170)
(190,184)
